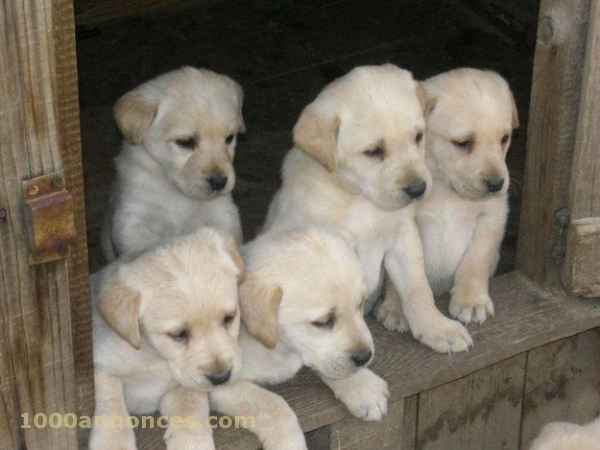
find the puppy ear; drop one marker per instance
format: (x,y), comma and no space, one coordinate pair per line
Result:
(234,253)
(119,306)
(515,112)
(134,114)
(259,305)
(427,102)
(316,133)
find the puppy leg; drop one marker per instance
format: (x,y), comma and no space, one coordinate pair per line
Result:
(406,267)
(264,413)
(365,394)
(111,428)
(470,299)
(390,313)
(188,414)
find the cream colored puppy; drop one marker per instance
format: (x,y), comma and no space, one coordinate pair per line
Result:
(302,297)
(165,332)
(463,219)
(175,171)
(568,436)
(358,166)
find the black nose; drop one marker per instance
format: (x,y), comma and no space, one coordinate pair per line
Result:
(494,184)
(416,188)
(219,378)
(361,357)
(217,181)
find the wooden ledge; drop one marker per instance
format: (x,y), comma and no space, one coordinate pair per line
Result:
(526,317)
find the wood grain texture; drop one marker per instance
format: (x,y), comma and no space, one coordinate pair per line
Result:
(563,383)
(582,264)
(34,300)
(526,317)
(411,412)
(480,411)
(555,99)
(94,12)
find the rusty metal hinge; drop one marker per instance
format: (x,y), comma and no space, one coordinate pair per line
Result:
(48,217)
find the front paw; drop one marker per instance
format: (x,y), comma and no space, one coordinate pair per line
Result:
(365,395)
(184,440)
(390,315)
(115,439)
(470,304)
(443,335)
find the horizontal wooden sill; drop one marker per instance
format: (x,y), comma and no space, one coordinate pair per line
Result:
(526,317)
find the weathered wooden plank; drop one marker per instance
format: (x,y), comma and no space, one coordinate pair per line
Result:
(582,264)
(93,12)
(562,383)
(555,98)
(409,434)
(481,411)
(581,270)
(34,301)
(526,317)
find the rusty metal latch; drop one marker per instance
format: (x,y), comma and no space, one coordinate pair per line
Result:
(48,217)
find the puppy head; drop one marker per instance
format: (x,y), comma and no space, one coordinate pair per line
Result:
(181,301)
(367,128)
(469,130)
(188,121)
(305,289)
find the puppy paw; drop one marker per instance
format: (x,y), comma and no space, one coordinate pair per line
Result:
(182,440)
(470,304)
(116,439)
(390,315)
(443,335)
(365,395)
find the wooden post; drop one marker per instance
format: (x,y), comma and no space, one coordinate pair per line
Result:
(555,99)
(43,308)
(582,265)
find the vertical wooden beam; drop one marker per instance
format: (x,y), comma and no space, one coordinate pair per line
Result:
(36,343)
(555,98)
(582,264)
(480,411)
(562,383)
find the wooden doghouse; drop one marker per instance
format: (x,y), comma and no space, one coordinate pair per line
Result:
(537,360)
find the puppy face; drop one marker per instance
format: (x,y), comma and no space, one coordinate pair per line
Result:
(469,130)
(180,301)
(306,291)
(367,128)
(188,121)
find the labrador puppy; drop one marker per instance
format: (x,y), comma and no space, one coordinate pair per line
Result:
(165,332)
(568,436)
(302,304)
(175,171)
(462,221)
(358,166)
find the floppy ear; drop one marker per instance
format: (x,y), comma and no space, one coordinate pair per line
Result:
(119,306)
(233,251)
(134,114)
(316,133)
(515,112)
(260,310)
(427,102)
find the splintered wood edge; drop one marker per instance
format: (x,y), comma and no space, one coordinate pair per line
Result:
(526,317)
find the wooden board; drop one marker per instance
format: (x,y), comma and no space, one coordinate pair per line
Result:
(526,317)
(34,300)
(562,383)
(480,411)
(555,99)
(409,434)
(581,270)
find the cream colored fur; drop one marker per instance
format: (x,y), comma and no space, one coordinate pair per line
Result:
(568,436)
(180,130)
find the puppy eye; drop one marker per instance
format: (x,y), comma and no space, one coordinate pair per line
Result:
(179,335)
(466,144)
(376,152)
(419,137)
(229,139)
(328,322)
(187,142)
(504,139)
(228,319)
